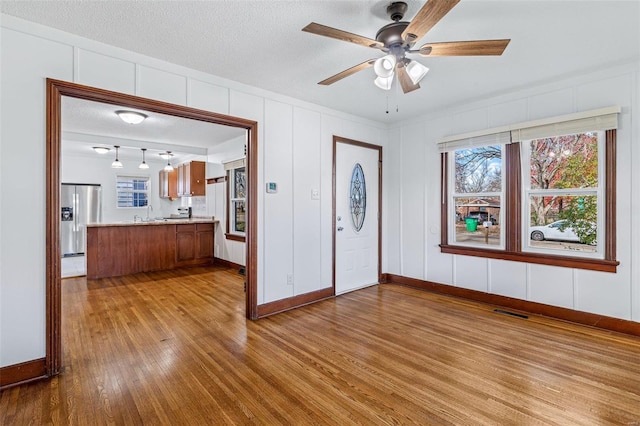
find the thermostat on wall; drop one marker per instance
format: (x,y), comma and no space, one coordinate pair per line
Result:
(272,187)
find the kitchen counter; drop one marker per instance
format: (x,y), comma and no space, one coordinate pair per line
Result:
(163,221)
(124,248)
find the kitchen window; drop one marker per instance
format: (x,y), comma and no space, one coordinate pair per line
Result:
(536,192)
(236,200)
(132,191)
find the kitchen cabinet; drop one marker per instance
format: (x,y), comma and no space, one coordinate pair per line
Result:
(191,179)
(194,244)
(128,248)
(169,184)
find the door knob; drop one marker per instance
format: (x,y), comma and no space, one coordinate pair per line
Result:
(340,228)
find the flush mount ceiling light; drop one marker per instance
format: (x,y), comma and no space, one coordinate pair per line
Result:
(116,164)
(101,149)
(131,117)
(168,167)
(144,164)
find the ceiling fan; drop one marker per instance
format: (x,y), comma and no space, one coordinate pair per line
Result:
(398,38)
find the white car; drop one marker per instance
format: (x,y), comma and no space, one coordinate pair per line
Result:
(552,232)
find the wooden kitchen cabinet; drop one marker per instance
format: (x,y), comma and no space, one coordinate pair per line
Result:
(191,179)
(194,244)
(123,249)
(168,184)
(204,241)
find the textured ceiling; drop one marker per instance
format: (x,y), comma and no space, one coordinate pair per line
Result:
(260,43)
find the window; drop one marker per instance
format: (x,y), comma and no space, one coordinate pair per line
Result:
(132,191)
(236,200)
(477,196)
(542,192)
(563,194)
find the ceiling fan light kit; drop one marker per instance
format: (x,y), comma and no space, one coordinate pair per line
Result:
(397,40)
(384,82)
(416,71)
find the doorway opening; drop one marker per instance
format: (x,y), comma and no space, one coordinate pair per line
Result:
(55,91)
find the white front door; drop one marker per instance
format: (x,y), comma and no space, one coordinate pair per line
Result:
(356,190)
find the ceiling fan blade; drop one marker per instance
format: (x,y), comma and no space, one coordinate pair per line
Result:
(465,48)
(426,18)
(405,81)
(323,30)
(347,73)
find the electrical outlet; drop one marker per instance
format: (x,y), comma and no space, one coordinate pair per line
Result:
(315,194)
(289,279)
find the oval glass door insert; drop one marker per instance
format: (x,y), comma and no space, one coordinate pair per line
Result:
(357,197)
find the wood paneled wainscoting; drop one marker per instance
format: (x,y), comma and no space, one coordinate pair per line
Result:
(174,348)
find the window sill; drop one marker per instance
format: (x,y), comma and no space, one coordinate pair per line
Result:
(235,237)
(542,259)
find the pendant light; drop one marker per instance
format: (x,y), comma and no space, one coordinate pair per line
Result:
(144,164)
(116,164)
(168,167)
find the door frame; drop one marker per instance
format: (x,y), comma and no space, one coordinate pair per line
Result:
(336,140)
(55,89)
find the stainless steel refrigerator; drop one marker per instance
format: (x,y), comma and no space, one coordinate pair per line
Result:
(80,204)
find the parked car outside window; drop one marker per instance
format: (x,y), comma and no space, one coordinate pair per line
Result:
(553,231)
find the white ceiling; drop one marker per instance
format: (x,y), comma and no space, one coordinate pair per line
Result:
(86,124)
(260,43)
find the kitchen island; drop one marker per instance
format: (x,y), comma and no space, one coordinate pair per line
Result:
(124,248)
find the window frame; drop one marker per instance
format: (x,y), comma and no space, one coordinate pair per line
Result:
(513,227)
(500,194)
(146,191)
(230,234)
(598,191)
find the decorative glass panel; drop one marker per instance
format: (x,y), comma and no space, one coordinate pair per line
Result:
(240,183)
(357,197)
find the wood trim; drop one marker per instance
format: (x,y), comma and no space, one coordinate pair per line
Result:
(53,274)
(252,224)
(337,139)
(234,237)
(513,199)
(541,259)
(55,89)
(219,179)
(444,198)
(18,374)
(535,308)
(610,195)
(278,306)
(224,262)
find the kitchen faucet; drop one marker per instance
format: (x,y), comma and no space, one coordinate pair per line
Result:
(149,208)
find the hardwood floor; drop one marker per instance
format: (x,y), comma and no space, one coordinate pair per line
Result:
(174,348)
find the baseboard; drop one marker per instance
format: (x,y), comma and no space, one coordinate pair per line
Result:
(222,262)
(278,306)
(24,372)
(579,317)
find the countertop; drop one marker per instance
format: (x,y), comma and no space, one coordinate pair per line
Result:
(159,221)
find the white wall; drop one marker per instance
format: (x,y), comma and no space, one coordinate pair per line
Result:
(290,134)
(97,169)
(418,188)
